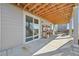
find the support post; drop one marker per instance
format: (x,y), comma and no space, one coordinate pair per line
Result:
(70,28)
(75,33)
(75,45)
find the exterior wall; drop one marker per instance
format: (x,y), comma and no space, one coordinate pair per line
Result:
(12,31)
(39,19)
(40,22)
(0,28)
(11,26)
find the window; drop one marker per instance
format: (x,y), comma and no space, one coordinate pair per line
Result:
(32,28)
(29,28)
(36,28)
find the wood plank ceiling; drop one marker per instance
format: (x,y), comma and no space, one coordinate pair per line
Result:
(57,13)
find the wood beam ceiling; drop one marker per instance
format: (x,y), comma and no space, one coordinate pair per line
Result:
(42,6)
(60,9)
(26,5)
(53,9)
(54,12)
(33,7)
(62,14)
(46,9)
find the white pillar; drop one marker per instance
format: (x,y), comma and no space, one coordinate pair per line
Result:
(75,40)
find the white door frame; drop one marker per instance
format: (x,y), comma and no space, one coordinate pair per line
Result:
(24,22)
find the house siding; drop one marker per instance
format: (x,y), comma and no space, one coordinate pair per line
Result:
(12,31)
(0,28)
(11,26)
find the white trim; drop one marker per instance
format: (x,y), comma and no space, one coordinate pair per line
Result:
(24,22)
(30,41)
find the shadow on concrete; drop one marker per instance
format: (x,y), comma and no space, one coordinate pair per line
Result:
(62,51)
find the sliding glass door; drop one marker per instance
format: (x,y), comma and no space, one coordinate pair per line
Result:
(32,28)
(29,28)
(36,28)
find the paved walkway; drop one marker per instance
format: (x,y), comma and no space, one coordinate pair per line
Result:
(53,45)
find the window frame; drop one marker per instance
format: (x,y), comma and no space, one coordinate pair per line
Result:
(27,14)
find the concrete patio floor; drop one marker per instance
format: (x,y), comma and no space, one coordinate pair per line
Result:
(53,46)
(60,46)
(30,48)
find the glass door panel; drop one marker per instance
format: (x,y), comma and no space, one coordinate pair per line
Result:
(36,28)
(29,28)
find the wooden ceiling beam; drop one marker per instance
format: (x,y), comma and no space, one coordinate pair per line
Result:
(65,8)
(26,5)
(61,14)
(68,10)
(34,6)
(70,15)
(56,7)
(52,12)
(46,9)
(66,16)
(42,6)
(56,13)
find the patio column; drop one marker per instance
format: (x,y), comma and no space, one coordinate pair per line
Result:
(75,45)
(75,40)
(70,28)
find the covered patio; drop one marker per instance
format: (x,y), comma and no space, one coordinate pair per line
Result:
(39,29)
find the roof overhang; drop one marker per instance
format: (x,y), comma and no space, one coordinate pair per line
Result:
(57,13)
